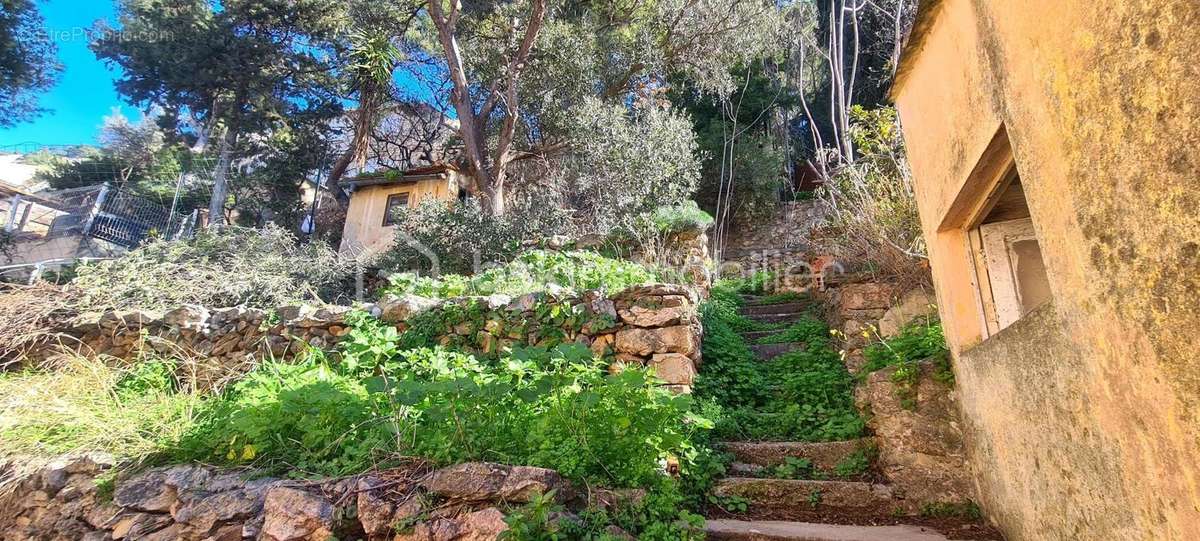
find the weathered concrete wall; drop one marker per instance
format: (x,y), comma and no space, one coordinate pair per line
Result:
(1037,440)
(1084,428)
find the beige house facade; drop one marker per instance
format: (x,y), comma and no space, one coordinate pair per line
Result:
(374,198)
(1053,147)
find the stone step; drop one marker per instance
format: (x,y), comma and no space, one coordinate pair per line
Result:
(823,455)
(753,336)
(806,500)
(785,308)
(766,352)
(740,530)
(743,469)
(777,318)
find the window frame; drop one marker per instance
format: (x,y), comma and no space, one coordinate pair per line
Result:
(996,290)
(388,219)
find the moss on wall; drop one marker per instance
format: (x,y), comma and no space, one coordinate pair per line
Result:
(1099,100)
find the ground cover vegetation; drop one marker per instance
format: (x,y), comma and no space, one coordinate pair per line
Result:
(385,396)
(804,395)
(920,340)
(532,271)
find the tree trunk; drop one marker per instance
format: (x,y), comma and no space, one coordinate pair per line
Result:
(335,176)
(495,198)
(216,206)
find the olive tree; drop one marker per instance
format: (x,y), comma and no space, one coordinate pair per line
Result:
(520,70)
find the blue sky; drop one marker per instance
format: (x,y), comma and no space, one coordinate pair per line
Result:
(84,94)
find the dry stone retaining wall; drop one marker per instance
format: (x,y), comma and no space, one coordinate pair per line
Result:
(653,325)
(64,501)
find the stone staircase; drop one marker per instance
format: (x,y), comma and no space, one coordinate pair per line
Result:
(860,508)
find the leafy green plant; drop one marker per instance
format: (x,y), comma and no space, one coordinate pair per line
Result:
(801,395)
(803,331)
(730,503)
(815,498)
(755,284)
(304,418)
(534,521)
(150,376)
(920,340)
(531,272)
(462,235)
(673,219)
(857,463)
(793,468)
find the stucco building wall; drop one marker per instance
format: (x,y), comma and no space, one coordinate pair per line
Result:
(1082,417)
(364,230)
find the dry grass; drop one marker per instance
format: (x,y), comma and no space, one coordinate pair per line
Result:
(74,405)
(31,316)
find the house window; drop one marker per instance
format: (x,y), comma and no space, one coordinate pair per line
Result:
(1009,272)
(395,202)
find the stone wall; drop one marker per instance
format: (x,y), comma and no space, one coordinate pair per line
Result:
(917,429)
(686,253)
(789,230)
(653,325)
(65,501)
(782,246)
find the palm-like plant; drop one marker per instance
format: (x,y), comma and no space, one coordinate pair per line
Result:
(373,59)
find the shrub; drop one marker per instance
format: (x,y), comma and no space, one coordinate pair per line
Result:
(531,272)
(919,340)
(303,417)
(461,237)
(263,268)
(660,516)
(626,162)
(872,205)
(682,217)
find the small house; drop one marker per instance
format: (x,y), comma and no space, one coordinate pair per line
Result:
(375,199)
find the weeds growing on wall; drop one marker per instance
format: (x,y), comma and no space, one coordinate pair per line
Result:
(921,340)
(805,395)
